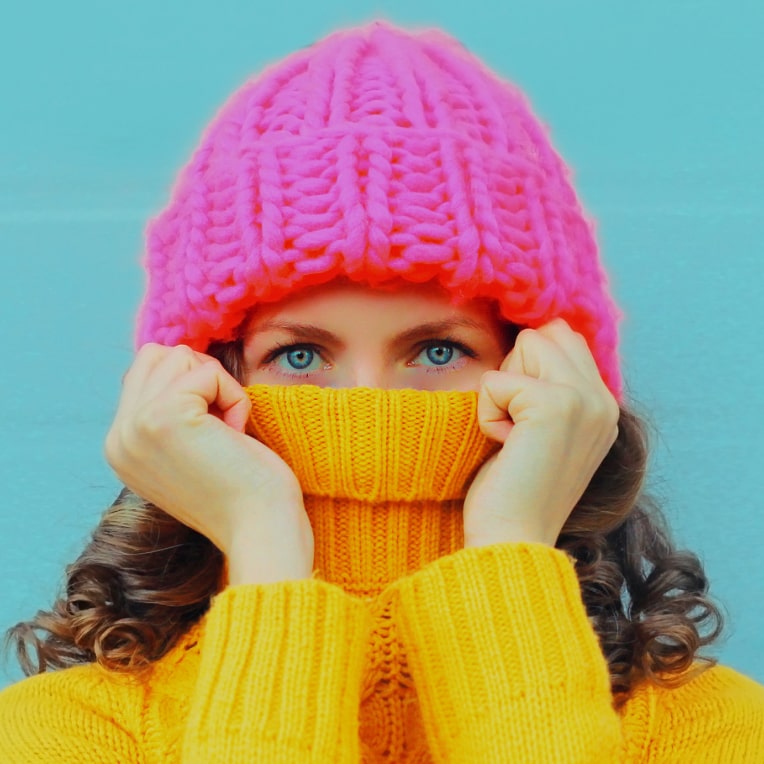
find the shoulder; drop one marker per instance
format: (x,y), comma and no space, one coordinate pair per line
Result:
(78,714)
(718,712)
(53,710)
(718,687)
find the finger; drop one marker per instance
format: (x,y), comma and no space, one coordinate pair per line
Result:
(171,364)
(218,393)
(234,405)
(148,357)
(497,391)
(553,354)
(539,356)
(574,345)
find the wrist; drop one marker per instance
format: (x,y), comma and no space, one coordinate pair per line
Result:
(509,534)
(279,550)
(259,561)
(265,571)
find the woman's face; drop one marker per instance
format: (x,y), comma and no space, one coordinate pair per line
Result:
(348,335)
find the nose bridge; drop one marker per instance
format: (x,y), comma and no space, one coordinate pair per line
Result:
(364,360)
(366,367)
(368,372)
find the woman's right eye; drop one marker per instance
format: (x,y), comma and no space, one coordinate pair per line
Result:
(296,359)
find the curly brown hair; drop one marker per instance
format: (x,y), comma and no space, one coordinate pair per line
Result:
(144,578)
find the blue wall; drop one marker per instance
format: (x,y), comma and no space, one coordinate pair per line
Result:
(657,106)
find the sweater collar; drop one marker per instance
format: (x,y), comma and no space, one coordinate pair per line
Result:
(372,445)
(384,473)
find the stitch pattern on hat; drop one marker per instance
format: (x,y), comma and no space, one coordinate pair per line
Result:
(383,156)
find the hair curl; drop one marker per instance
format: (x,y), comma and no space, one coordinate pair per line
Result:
(144,578)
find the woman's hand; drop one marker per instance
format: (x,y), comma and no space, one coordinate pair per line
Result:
(178,441)
(557,420)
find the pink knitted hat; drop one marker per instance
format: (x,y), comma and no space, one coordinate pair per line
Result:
(380,155)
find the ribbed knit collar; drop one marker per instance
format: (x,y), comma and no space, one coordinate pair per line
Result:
(384,473)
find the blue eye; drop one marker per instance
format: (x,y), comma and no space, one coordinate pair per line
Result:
(299,358)
(296,360)
(440,355)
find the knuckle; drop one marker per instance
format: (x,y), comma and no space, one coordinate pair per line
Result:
(607,406)
(525,335)
(131,372)
(153,354)
(151,351)
(615,420)
(121,448)
(214,364)
(146,356)
(614,410)
(556,325)
(112,447)
(489,377)
(606,414)
(151,347)
(182,353)
(151,422)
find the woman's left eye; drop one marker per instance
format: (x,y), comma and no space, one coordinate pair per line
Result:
(441,353)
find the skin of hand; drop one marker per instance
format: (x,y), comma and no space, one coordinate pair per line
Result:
(178,441)
(557,420)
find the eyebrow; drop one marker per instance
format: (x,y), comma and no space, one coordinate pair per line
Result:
(439,328)
(430,328)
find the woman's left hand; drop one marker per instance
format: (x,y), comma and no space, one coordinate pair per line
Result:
(556,419)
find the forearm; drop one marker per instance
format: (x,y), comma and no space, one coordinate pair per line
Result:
(280,676)
(505,662)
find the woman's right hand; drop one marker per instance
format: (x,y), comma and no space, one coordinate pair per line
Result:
(178,441)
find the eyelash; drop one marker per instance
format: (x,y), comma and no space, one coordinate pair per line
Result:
(282,348)
(440,342)
(286,347)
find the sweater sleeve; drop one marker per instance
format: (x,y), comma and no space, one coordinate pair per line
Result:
(286,691)
(716,717)
(506,664)
(279,680)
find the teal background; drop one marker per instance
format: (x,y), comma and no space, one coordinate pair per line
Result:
(657,106)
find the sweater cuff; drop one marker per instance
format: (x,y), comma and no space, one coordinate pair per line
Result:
(280,672)
(499,641)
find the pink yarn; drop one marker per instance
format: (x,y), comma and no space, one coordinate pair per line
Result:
(381,155)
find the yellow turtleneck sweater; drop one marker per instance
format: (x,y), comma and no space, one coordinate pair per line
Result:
(403,648)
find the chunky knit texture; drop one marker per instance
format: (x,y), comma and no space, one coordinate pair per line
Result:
(418,652)
(383,156)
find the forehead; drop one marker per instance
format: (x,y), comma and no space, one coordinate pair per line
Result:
(340,303)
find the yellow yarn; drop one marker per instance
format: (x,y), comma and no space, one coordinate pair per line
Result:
(384,473)
(403,648)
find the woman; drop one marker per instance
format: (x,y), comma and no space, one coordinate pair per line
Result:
(417,533)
